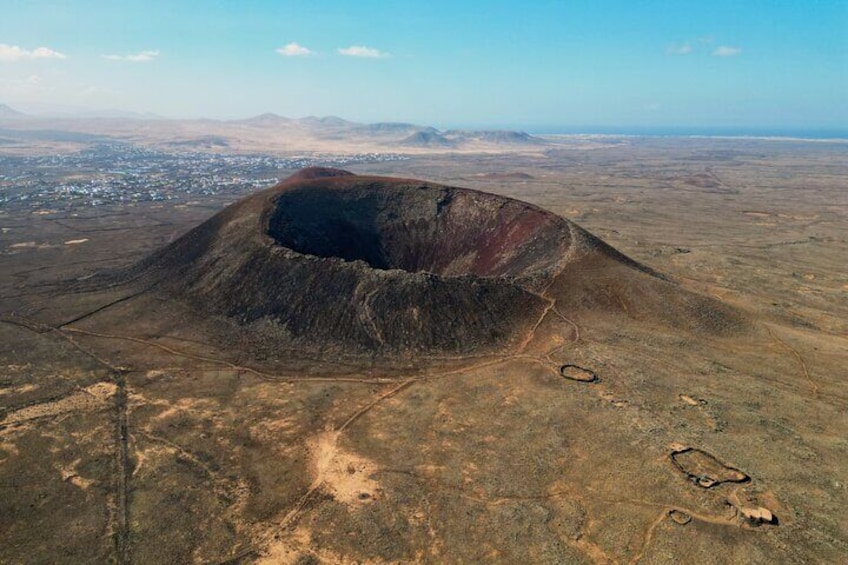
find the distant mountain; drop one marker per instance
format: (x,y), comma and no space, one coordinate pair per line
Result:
(267,119)
(498,137)
(398,134)
(9,113)
(427,138)
(393,128)
(330,121)
(265,132)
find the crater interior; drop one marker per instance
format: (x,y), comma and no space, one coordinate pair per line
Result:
(418,228)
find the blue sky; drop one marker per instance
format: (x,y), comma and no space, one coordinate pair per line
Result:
(447,63)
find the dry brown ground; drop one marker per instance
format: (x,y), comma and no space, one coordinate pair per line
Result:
(138,434)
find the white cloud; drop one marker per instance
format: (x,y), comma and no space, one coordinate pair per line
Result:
(683,49)
(294,50)
(13,53)
(725,51)
(363,51)
(142,57)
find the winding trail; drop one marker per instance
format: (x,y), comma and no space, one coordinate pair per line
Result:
(798,357)
(122,532)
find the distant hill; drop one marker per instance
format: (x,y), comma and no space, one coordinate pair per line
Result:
(499,137)
(9,113)
(392,128)
(426,138)
(267,132)
(328,121)
(270,119)
(390,134)
(267,119)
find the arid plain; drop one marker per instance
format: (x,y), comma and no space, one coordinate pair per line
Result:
(614,428)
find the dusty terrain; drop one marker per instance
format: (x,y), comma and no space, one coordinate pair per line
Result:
(625,424)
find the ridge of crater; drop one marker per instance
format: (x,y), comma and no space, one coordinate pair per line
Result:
(385,266)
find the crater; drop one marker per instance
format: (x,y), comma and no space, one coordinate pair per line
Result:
(419,228)
(704,469)
(576,373)
(328,261)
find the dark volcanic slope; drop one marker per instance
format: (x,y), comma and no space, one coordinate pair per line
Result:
(394,266)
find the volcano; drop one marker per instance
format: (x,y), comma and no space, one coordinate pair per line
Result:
(392,266)
(346,368)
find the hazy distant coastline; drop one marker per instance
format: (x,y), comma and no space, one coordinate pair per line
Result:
(777,133)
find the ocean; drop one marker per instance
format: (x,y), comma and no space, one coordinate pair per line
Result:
(695,131)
